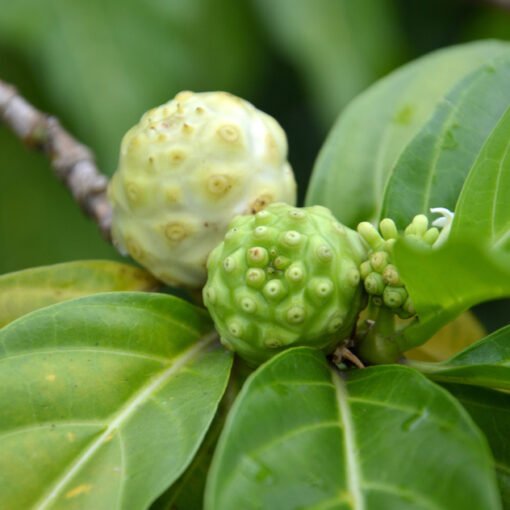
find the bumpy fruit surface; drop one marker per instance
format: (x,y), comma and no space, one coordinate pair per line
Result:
(185,170)
(282,278)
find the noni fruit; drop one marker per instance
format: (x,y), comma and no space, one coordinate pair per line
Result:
(185,170)
(282,278)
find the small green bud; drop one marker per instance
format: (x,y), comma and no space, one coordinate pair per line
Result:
(369,233)
(394,297)
(410,231)
(374,284)
(380,276)
(391,276)
(420,224)
(388,229)
(431,236)
(379,260)
(365,269)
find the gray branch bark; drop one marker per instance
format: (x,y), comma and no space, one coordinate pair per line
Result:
(73,163)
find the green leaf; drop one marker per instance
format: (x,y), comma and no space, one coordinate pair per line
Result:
(301,436)
(356,161)
(24,291)
(490,410)
(485,363)
(108,396)
(433,167)
(339,47)
(187,493)
(483,210)
(464,274)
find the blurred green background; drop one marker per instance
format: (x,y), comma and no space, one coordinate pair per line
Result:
(99,64)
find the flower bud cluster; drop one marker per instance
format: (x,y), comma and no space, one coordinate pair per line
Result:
(380,276)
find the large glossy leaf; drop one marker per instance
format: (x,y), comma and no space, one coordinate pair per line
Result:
(445,282)
(485,363)
(355,162)
(24,291)
(483,209)
(490,410)
(433,167)
(187,493)
(105,400)
(302,436)
(339,47)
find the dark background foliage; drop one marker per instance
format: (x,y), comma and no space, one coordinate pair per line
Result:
(98,65)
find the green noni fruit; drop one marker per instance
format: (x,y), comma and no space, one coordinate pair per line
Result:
(185,170)
(282,278)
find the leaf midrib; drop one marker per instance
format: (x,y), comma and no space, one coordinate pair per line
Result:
(431,173)
(121,417)
(497,191)
(352,465)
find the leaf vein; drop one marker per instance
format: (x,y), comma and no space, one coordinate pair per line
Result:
(119,352)
(347,427)
(53,424)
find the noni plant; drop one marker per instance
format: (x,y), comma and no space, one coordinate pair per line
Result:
(185,170)
(331,358)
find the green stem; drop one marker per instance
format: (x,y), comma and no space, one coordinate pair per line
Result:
(380,343)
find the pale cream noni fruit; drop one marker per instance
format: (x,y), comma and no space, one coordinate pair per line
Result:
(185,170)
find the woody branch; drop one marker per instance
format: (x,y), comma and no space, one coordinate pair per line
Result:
(73,163)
